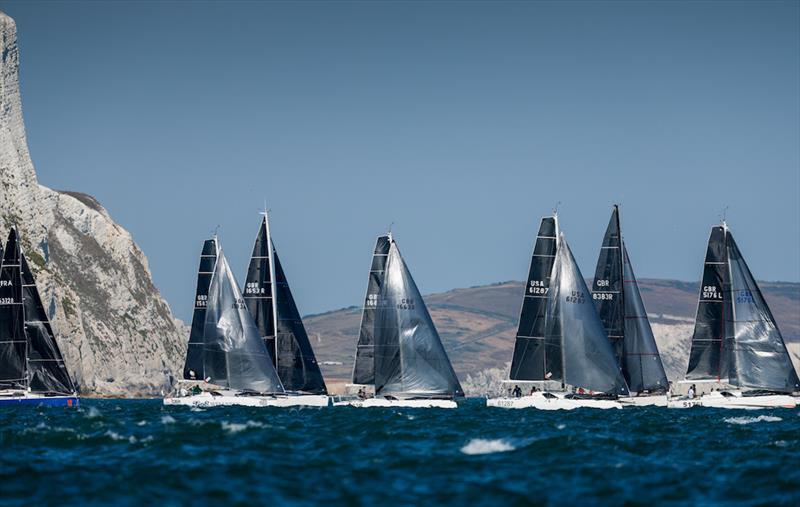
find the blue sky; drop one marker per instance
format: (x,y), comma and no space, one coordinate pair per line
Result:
(462,123)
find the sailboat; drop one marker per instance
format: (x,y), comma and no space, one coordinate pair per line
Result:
(621,309)
(364,363)
(269,300)
(230,357)
(410,367)
(561,342)
(736,341)
(32,369)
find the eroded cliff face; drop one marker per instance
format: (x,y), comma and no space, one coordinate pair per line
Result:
(117,333)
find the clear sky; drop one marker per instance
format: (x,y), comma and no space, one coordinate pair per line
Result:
(462,123)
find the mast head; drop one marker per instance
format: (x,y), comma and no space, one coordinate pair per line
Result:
(723,216)
(389,233)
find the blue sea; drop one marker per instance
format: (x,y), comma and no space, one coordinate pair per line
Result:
(125,452)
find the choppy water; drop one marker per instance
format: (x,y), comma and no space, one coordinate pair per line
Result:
(138,452)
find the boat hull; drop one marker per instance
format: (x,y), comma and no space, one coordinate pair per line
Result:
(555,401)
(644,401)
(231,399)
(41,401)
(384,403)
(735,401)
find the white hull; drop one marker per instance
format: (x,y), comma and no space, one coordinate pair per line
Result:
(645,401)
(384,403)
(227,399)
(735,400)
(551,401)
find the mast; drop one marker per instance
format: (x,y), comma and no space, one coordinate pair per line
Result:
(271,255)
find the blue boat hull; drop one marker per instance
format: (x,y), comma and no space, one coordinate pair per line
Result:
(53,401)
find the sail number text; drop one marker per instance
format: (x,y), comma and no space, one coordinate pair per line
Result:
(576,297)
(201,301)
(6,301)
(5,283)
(405,304)
(711,292)
(537,287)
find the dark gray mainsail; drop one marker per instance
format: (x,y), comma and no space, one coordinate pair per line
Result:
(759,356)
(193,368)
(641,365)
(410,360)
(364,364)
(234,354)
(13,344)
(621,309)
(707,359)
(47,371)
(270,302)
(588,359)
(534,358)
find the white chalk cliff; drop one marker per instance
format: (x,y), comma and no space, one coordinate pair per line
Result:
(115,330)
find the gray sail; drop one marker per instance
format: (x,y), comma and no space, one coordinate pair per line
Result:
(234,354)
(760,358)
(589,360)
(709,357)
(193,367)
(410,360)
(641,362)
(364,365)
(13,343)
(47,372)
(534,357)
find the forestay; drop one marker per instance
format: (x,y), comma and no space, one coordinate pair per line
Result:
(410,360)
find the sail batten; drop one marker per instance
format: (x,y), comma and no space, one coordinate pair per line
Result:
(410,360)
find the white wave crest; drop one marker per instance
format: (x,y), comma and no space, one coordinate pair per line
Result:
(237,427)
(751,420)
(167,419)
(483,446)
(93,413)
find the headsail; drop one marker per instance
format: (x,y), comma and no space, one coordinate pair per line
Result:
(760,358)
(621,309)
(410,360)
(534,359)
(193,368)
(233,353)
(706,359)
(13,344)
(589,361)
(297,365)
(364,365)
(641,365)
(47,371)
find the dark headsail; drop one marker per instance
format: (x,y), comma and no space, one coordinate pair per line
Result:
(297,365)
(410,360)
(13,344)
(193,369)
(234,355)
(641,365)
(46,369)
(273,305)
(707,360)
(759,356)
(589,361)
(534,359)
(621,309)
(364,365)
